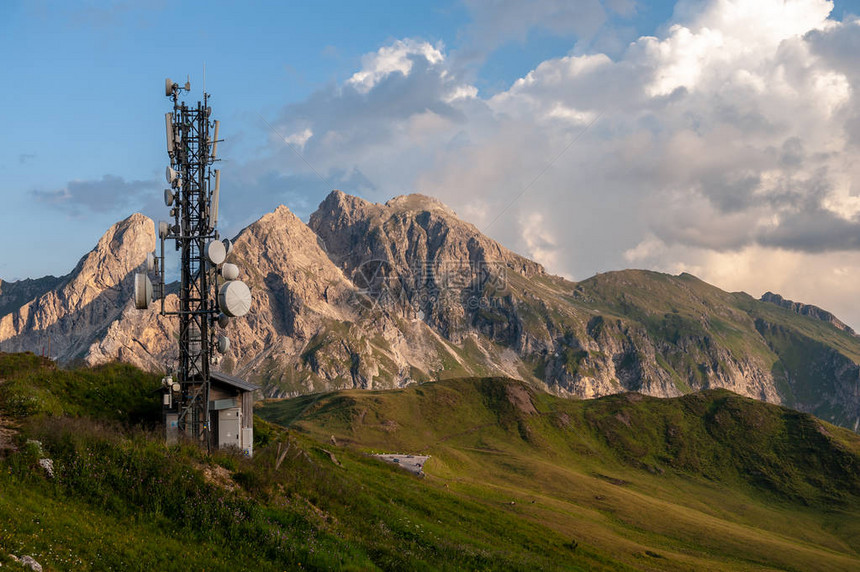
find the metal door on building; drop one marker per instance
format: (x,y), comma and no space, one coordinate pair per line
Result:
(229,424)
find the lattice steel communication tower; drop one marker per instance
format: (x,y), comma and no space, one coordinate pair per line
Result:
(209,292)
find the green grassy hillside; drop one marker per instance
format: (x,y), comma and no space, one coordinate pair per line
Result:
(517,480)
(709,480)
(120,499)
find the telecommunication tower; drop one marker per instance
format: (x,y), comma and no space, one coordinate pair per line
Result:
(209,290)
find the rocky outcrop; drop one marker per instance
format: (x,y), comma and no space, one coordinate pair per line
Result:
(27,561)
(806,310)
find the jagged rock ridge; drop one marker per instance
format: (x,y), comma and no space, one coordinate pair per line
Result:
(806,310)
(13,295)
(381,295)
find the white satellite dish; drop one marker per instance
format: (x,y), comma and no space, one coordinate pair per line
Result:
(223,320)
(171,175)
(234,297)
(163,229)
(168,197)
(142,291)
(223,344)
(215,252)
(150,261)
(228,244)
(229,271)
(168,125)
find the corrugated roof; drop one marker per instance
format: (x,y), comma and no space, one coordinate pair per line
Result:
(234,381)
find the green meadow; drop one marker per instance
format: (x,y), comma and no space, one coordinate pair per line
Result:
(517,480)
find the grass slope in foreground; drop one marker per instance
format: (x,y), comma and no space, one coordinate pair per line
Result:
(120,499)
(707,481)
(710,481)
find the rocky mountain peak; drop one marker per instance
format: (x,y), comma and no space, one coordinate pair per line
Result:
(280,243)
(406,232)
(418,202)
(88,299)
(411,253)
(338,208)
(119,251)
(281,220)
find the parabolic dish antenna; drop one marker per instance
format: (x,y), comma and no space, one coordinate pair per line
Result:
(234,297)
(229,271)
(143,291)
(215,252)
(171,175)
(223,344)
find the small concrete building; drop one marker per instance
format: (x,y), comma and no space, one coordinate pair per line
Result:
(231,413)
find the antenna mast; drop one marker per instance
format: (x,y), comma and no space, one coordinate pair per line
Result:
(206,298)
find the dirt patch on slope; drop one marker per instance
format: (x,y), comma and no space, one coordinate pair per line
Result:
(520,398)
(220,477)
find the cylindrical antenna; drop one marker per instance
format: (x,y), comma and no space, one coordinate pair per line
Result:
(168,124)
(213,219)
(215,140)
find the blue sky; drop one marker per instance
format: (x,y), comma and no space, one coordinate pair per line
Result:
(481,98)
(84,96)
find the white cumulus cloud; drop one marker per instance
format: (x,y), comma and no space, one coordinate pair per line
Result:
(396,58)
(728,146)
